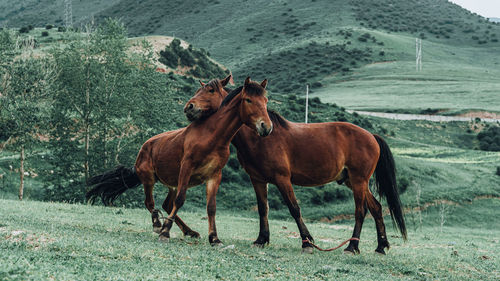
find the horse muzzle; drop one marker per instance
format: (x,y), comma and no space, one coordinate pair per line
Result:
(192,113)
(264,130)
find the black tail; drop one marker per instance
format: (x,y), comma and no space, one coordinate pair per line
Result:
(385,178)
(110,185)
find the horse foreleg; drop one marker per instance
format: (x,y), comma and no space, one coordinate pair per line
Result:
(212,187)
(168,205)
(376,211)
(286,190)
(261,194)
(180,197)
(358,190)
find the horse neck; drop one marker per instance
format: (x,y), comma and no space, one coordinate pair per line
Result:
(225,123)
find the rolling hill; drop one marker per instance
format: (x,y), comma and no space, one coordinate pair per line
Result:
(331,45)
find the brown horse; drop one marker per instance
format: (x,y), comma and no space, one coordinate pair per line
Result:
(190,156)
(312,155)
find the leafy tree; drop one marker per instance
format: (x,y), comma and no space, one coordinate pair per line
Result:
(24,85)
(91,99)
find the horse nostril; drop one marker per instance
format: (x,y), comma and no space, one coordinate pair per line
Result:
(263,125)
(191,106)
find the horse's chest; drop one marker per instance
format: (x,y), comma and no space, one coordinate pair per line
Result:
(208,168)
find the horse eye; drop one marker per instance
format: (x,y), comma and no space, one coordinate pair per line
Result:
(211,90)
(248,100)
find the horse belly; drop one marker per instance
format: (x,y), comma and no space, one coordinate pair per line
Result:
(313,173)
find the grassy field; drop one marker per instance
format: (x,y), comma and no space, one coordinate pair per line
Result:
(453,78)
(43,241)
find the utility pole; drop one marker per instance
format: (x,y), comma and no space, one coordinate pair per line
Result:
(418,54)
(307,100)
(68,14)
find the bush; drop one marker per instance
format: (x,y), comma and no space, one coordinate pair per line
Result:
(24,29)
(61,29)
(45,33)
(489,139)
(49,26)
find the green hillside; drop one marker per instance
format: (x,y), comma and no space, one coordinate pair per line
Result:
(358,53)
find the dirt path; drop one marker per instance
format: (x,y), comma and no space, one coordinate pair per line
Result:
(433,118)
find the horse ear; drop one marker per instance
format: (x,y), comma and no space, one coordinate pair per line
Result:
(264,83)
(201,83)
(226,80)
(247,81)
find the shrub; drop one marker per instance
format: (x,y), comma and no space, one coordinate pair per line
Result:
(45,33)
(489,139)
(498,171)
(24,29)
(49,26)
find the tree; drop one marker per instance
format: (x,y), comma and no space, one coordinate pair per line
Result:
(24,84)
(93,106)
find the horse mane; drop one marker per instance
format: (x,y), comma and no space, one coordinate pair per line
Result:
(231,96)
(215,84)
(277,119)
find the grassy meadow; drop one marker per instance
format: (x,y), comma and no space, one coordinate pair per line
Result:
(77,242)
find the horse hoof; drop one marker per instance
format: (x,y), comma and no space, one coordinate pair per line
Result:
(157,229)
(349,252)
(193,234)
(307,250)
(163,239)
(258,245)
(380,252)
(217,243)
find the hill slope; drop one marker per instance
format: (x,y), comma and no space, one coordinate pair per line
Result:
(322,43)
(327,43)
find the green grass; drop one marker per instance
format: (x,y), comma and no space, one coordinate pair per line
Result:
(453,78)
(43,241)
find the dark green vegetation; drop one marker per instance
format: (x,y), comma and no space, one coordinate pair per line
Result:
(197,61)
(427,19)
(77,242)
(489,139)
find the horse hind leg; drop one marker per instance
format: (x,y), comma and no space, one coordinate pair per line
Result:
(358,189)
(167,206)
(376,211)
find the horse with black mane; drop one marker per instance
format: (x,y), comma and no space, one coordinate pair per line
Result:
(312,155)
(190,156)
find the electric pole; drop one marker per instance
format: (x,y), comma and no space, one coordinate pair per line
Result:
(68,14)
(307,100)
(418,46)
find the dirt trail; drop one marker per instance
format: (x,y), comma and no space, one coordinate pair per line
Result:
(433,118)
